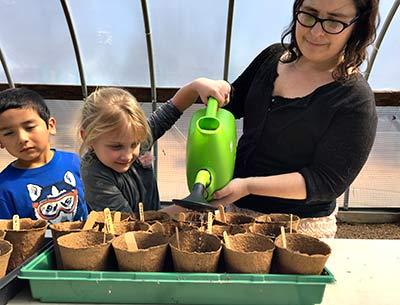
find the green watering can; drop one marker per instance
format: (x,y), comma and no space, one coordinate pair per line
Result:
(210,155)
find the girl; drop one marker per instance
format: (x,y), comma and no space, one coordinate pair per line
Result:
(115,131)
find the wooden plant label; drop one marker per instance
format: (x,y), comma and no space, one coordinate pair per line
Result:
(141,212)
(217,215)
(209,222)
(177,238)
(117,217)
(131,241)
(15,223)
(181,216)
(226,239)
(222,213)
(108,221)
(90,221)
(283,237)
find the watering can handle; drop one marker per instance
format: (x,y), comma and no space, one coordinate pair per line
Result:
(212,107)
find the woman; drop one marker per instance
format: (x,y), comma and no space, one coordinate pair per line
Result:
(309,116)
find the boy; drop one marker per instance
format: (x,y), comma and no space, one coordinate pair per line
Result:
(42,183)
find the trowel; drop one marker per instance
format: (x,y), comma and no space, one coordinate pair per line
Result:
(210,155)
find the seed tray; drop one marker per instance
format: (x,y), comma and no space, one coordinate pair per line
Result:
(51,285)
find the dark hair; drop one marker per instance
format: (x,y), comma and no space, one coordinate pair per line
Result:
(355,51)
(16,98)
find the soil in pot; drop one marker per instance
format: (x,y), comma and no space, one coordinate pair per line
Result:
(151,216)
(195,251)
(100,218)
(86,250)
(303,254)
(192,218)
(6,249)
(147,256)
(280,220)
(268,229)
(230,229)
(233,218)
(130,226)
(60,229)
(26,241)
(248,253)
(169,227)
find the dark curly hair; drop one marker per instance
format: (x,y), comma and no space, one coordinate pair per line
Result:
(355,51)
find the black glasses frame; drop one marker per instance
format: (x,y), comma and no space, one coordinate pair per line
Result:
(322,20)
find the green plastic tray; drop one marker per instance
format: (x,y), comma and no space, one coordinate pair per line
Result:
(49,285)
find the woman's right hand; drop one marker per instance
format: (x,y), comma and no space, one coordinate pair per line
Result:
(233,191)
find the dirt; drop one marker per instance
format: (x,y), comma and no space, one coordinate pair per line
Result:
(368,231)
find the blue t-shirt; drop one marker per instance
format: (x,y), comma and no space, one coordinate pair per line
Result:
(52,192)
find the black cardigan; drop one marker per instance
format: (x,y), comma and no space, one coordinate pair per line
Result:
(326,136)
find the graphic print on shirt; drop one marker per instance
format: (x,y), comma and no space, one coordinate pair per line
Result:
(56,202)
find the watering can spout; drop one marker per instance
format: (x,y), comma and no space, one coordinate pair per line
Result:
(198,193)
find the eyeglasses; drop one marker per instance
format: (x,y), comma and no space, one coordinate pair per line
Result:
(331,26)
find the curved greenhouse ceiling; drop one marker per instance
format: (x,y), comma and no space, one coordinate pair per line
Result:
(188,38)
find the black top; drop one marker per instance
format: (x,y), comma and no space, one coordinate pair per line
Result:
(326,136)
(105,187)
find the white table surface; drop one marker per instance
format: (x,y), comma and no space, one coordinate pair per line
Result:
(367,272)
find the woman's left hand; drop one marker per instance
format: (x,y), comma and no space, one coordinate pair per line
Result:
(232,192)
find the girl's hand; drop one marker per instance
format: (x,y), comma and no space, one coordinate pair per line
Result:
(146,159)
(219,89)
(232,192)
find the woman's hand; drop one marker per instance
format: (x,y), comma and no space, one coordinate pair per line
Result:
(232,192)
(219,89)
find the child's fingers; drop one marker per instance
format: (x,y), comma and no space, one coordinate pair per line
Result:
(204,99)
(220,97)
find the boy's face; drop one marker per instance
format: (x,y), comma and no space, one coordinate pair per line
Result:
(24,134)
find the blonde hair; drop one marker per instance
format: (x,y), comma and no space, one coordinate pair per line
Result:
(105,109)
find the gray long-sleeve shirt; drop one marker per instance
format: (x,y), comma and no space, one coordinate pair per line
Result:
(105,188)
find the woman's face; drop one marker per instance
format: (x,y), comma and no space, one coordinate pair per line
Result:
(315,44)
